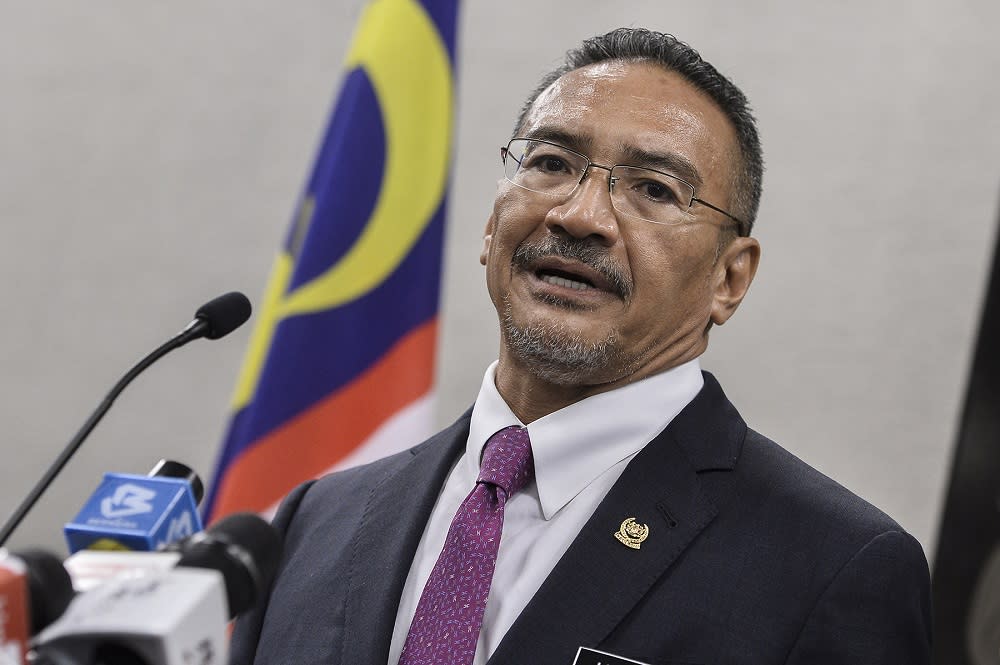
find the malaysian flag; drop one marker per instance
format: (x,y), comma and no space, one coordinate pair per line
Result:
(340,366)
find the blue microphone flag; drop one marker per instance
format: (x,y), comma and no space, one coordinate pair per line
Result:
(132,512)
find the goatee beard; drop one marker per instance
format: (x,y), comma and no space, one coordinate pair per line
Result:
(552,350)
(557,354)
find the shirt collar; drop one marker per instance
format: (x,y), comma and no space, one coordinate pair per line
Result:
(576,444)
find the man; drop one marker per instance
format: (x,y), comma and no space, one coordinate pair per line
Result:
(639,515)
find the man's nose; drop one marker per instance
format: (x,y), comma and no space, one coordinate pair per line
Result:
(588,212)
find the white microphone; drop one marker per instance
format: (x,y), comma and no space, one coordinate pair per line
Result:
(170,617)
(89,569)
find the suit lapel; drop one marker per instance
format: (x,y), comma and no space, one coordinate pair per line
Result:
(391,527)
(599,579)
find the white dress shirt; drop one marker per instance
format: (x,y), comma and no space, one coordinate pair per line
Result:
(579,452)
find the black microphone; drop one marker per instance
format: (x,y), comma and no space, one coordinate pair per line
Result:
(35,590)
(175,616)
(244,548)
(213,320)
(50,589)
(219,317)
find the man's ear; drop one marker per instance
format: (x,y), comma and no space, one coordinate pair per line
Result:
(735,270)
(487,239)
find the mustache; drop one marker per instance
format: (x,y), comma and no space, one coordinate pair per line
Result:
(584,251)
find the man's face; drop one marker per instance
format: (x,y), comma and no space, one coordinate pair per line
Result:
(585,294)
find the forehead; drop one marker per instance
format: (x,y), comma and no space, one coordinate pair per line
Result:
(617,108)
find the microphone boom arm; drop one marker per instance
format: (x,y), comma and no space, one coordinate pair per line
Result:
(64,457)
(215,319)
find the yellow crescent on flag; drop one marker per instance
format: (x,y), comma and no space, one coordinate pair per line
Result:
(404,57)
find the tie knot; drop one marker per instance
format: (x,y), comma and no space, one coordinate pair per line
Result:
(507,460)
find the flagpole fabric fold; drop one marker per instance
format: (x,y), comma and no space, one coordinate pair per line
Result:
(340,365)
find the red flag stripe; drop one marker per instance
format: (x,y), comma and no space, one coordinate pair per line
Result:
(325,433)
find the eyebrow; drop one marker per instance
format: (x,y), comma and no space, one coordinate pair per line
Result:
(566,139)
(669,162)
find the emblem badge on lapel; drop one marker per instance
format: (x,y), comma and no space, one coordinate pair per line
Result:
(631,533)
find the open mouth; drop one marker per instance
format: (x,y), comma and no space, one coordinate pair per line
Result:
(579,267)
(564,279)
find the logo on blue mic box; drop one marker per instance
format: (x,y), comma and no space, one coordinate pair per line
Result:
(139,513)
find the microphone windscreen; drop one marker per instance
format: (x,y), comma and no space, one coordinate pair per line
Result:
(245,549)
(50,589)
(224,314)
(166,468)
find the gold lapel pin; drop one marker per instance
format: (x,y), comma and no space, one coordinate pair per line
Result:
(631,533)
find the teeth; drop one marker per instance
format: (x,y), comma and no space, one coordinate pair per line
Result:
(568,283)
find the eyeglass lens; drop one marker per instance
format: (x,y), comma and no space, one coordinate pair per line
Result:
(551,169)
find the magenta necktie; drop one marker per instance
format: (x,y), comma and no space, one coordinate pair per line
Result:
(449,616)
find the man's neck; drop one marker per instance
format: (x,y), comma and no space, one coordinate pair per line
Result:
(531,397)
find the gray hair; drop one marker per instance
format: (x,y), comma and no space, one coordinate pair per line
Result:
(638,44)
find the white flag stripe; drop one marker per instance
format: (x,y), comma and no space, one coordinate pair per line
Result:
(407,427)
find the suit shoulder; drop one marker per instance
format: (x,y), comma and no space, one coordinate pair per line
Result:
(781,480)
(363,476)
(338,498)
(339,495)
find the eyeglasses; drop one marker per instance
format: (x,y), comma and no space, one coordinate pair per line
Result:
(549,168)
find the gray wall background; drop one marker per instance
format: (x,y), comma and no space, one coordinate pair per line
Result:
(150,155)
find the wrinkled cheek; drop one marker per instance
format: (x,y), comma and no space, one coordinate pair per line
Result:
(498,273)
(515,221)
(498,294)
(506,237)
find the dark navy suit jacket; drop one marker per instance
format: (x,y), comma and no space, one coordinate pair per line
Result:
(752,557)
